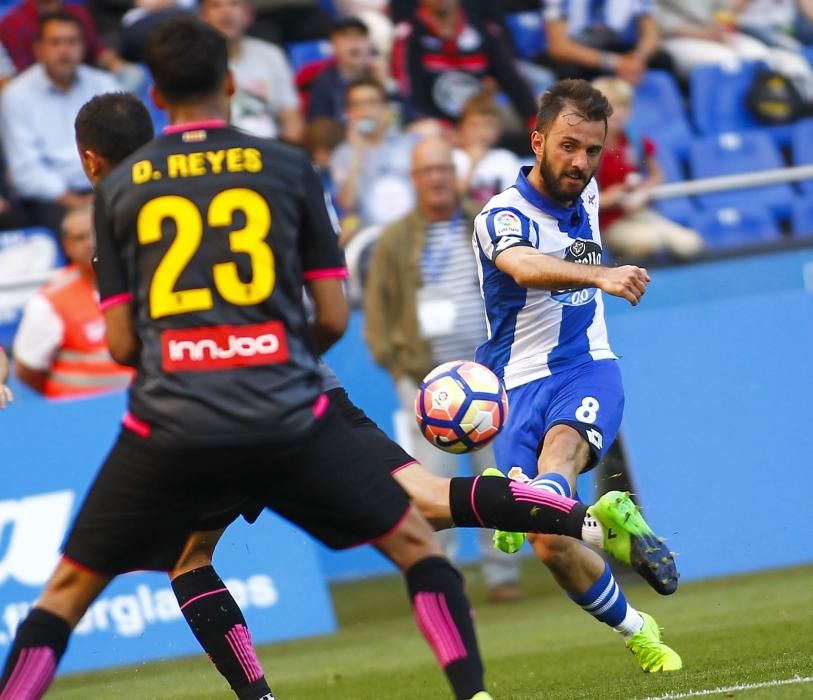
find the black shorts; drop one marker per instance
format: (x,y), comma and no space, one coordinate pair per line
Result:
(147,499)
(380,449)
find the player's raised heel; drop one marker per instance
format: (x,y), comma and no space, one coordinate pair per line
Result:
(628,538)
(508,542)
(649,650)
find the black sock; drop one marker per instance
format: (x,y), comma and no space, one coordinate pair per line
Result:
(218,624)
(39,644)
(496,502)
(444,618)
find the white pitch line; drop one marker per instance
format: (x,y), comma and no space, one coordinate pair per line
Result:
(730,688)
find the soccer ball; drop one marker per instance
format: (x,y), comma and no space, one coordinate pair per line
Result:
(461,406)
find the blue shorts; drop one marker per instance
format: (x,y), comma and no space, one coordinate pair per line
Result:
(589,398)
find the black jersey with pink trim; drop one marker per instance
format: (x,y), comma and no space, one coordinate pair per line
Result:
(210,234)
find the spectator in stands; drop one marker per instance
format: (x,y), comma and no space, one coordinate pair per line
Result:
(588,38)
(287,21)
(60,349)
(370,169)
(480,11)
(266,102)
(441,58)
(19,33)
(7,69)
(770,21)
(705,32)
(37,113)
(353,59)
(423,307)
(6,397)
(482,169)
(628,171)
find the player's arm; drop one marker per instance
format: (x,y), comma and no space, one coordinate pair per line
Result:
(331,312)
(530,268)
(323,265)
(122,340)
(115,299)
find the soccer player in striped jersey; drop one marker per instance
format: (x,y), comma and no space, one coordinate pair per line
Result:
(539,253)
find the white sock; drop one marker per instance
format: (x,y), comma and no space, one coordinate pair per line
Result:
(592,531)
(632,622)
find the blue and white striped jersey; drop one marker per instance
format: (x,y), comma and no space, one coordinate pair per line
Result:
(534,333)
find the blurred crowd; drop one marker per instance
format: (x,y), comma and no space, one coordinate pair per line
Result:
(361,84)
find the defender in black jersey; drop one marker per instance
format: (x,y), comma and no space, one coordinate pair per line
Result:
(109,128)
(205,238)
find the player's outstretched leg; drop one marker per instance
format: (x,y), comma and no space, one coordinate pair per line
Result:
(41,639)
(218,624)
(628,537)
(615,524)
(439,604)
(215,618)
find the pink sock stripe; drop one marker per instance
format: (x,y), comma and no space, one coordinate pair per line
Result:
(33,673)
(526,494)
(437,626)
(204,595)
(473,506)
(239,639)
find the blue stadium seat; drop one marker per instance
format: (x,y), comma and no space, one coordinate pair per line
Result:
(801,217)
(527,33)
(717,99)
(678,209)
(733,227)
(659,113)
(301,53)
(801,142)
(729,154)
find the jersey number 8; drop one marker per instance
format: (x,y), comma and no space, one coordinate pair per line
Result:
(165,299)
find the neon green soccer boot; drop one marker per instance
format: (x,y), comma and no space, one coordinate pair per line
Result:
(628,538)
(508,542)
(650,651)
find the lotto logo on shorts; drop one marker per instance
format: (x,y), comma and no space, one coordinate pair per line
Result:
(223,347)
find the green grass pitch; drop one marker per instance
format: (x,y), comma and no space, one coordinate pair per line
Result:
(735,631)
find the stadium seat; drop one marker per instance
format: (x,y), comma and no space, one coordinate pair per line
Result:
(717,98)
(678,209)
(527,32)
(659,113)
(729,154)
(303,53)
(801,142)
(733,227)
(801,217)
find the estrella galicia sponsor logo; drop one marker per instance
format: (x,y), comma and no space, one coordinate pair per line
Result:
(581,252)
